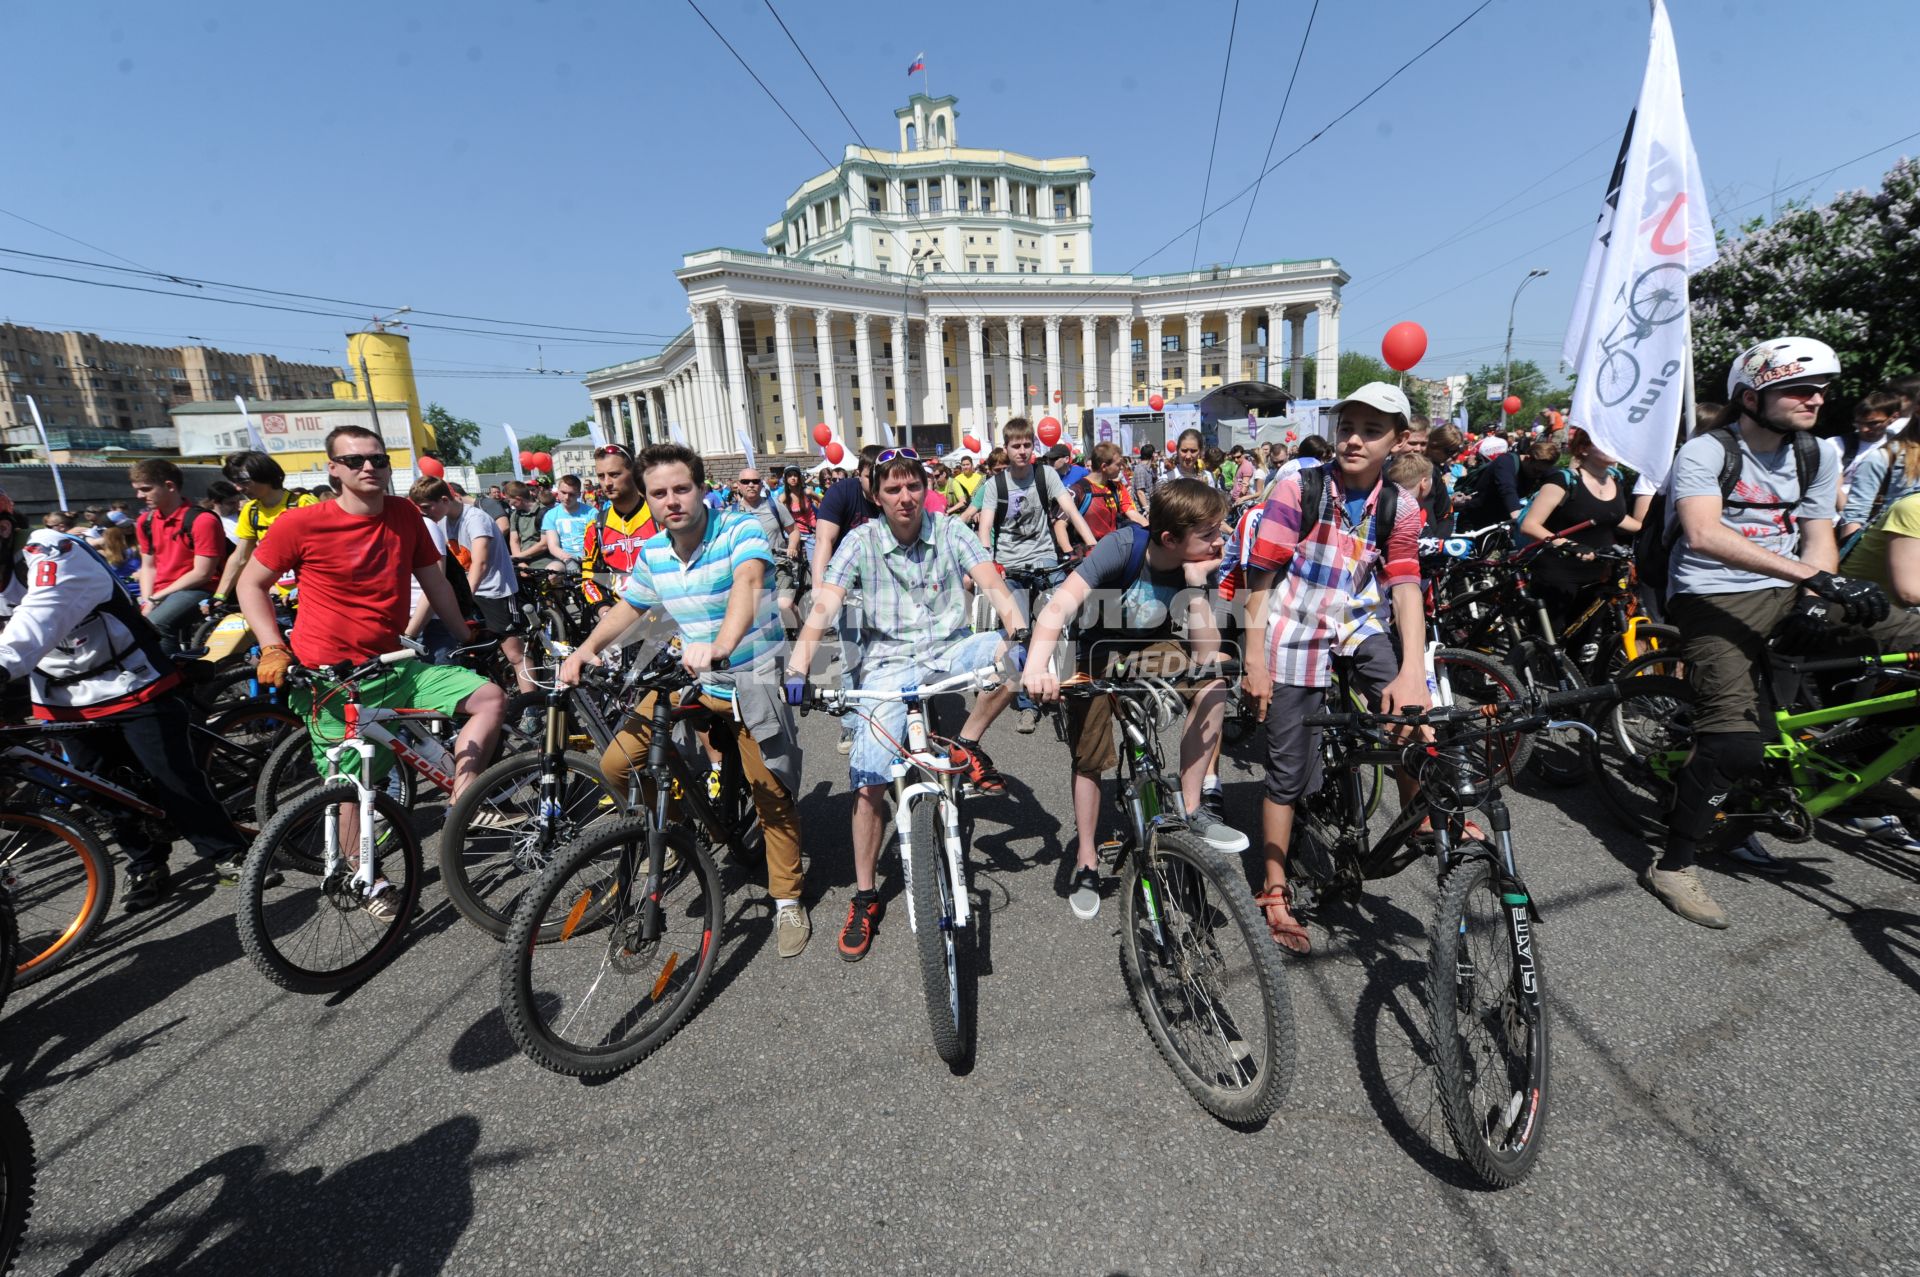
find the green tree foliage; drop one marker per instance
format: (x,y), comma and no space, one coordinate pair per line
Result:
(1847,273)
(1527,381)
(1356,370)
(500,461)
(578,430)
(455,438)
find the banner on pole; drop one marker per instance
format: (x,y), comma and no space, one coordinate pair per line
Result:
(59,487)
(746,446)
(513,452)
(253,431)
(1627,340)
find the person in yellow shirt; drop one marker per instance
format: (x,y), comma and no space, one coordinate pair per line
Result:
(1888,553)
(262,481)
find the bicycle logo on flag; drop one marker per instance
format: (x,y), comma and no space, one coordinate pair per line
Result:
(1658,297)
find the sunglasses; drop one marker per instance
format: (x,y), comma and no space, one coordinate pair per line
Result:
(360,460)
(891,453)
(748,483)
(613,450)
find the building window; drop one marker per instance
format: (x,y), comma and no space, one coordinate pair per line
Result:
(1170,343)
(1139,346)
(1209,339)
(934,198)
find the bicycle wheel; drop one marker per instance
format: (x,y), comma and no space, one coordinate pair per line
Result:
(1206,978)
(1645,740)
(61,881)
(1473,678)
(1651,640)
(504,829)
(313,931)
(1559,755)
(290,775)
(599,997)
(948,968)
(1489,1024)
(9,945)
(16,1182)
(233,748)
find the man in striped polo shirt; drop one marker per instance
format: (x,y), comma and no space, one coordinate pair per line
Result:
(711,573)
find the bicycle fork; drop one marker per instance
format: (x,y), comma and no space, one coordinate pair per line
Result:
(904,796)
(368,871)
(1522,914)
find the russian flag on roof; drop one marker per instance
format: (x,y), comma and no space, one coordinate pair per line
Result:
(919,64)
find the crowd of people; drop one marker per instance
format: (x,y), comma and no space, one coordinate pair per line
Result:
(1060,561)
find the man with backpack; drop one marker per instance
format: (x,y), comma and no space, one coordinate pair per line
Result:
(182,549)
(1748,555)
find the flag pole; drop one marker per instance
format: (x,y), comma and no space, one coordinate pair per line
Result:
(1689,408)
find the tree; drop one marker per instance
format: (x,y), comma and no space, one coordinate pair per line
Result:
(500,461)
(579,429)
(454,438)
(1358,368)
(1527,381)
(1847,273)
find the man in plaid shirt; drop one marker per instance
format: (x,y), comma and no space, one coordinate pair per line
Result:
(1328,587)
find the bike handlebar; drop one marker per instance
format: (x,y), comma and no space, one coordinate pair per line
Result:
(1512,715)
(986,678)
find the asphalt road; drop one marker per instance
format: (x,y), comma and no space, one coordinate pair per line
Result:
(1732,1101)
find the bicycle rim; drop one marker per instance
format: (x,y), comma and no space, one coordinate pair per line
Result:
(61,882)
(1646,738)
(599,998)
(17,1172)
(943,947)
(314,931)
(1206,979)
(1471,678)
(1559,754)
(235,747)
(502,833)
(1489,1023)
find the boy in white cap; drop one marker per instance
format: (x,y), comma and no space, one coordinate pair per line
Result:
(1335,545)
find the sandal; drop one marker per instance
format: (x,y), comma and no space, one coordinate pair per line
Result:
(1470,831)
(1286,930)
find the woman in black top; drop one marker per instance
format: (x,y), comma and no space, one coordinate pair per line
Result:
(1593,491)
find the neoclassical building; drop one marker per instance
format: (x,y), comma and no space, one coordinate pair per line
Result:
(944,289)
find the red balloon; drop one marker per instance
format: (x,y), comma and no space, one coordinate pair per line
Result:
(823,434)
(543,461)
(1049,431)
(1404,345)
(1172,446)
(1512,405)
(1156,402)
(526,459)
(432,466)
(970,443)
(835,453)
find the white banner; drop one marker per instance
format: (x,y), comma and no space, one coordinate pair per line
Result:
(253,431)
(59,488)
(1627,341)
(746,446)
(513,452)
(210,433)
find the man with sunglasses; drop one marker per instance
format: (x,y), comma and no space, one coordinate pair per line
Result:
(750,495)
(355,556)
(262,481)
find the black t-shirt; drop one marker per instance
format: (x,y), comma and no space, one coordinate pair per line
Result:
(846,505)
(1580,506)
(1438,505)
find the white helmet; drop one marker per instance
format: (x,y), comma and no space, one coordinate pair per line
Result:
(1783,361)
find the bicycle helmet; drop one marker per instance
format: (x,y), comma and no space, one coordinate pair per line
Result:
(1782,361)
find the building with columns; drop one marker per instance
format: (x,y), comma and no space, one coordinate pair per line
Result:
(944,289)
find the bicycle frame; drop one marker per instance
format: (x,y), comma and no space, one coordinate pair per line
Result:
(22,757)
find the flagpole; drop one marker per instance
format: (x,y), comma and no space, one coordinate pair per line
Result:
(1689,409)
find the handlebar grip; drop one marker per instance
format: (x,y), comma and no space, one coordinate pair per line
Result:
(720,663)
(395,658)
(1329,719)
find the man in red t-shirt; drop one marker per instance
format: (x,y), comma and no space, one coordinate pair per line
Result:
(182,549)
(355,557)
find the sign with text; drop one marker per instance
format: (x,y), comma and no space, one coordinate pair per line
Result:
(211,433)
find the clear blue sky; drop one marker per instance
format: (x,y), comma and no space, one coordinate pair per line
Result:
(550,162)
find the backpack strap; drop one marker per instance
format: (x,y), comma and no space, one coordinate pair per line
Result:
(1386,512)
(1136,554)
(1313,494)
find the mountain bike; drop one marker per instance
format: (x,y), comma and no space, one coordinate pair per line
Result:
(1203,974)
(927,788)
(611,949)
(1483,964)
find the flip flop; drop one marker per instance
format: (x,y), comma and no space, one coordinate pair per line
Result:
(1287,931)
(1471,831)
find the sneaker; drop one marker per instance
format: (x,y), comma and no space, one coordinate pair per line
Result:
(714,787)
(793,929)
(1084,899)
(384,905)
(846,745)
(984,776)
(1212,826)
(857,936)
(1887,830)
(146,890)
(1028,721)
(228,872)
(1750,854)
(1681,891)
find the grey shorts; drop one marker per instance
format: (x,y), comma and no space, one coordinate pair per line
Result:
(1293,748)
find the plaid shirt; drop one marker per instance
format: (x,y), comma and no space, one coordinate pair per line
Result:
(1333,590)
(912,600)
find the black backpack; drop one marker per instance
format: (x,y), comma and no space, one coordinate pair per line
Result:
(1653,547)
(1313,496)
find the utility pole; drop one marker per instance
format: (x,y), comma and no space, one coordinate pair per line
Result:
(1506,374)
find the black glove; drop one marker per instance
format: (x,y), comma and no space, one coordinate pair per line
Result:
(1861,602)
(1806,626)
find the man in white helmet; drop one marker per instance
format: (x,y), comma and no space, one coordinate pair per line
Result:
(1754,557)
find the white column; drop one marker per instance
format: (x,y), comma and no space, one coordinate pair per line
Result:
(1236,319)
(676,415)
(1193,352)
(903,415)
(869,384)
(1156,356)
(936,400)
(977,357)
(1016,370)
(1297,354)
(1089,363)
(707,381)
(1275,316)
(823,351)
(793,419)
(739,418)
(1120,360)
(1052,388)
(1326,360)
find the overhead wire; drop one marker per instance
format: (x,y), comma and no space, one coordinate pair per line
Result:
(1219,108)
(1273,137)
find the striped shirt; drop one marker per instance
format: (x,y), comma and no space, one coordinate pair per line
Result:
(912,596)
(695,593)
(1333,590)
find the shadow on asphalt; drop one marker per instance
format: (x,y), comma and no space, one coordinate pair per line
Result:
(398,1211)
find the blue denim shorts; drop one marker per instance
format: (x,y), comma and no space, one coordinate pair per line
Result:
(871,759)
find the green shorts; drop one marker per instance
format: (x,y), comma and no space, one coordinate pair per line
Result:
(412,685)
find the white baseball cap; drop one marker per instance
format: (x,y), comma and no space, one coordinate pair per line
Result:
(1379,394)
(1493,446)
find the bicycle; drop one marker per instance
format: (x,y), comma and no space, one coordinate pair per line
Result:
(1483,994)
(16,1141)
(927,789)
(613,946)
(1204,977)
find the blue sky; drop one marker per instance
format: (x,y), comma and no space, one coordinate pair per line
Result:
(550,162)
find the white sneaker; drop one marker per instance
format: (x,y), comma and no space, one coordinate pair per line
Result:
(1888,831)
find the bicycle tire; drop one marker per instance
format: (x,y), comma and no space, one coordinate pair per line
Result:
(61,880)
(589,931)
(9,945)
(1559,757)
(339,907)
(1200,886)
(510,790)
(228,688)
(290,774)
(947,954)
(17,1173)
(233,749)
(1655,640)
(1498,1131)
(1649,720)
(554,621)
(1475,678)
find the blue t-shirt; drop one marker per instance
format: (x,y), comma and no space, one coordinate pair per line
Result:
(1356,503)
(846,505)
(570,529)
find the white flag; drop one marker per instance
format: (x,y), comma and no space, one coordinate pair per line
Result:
(513,452)
(253,432)
(1628,340)
(886,429)
(59,488)
(679,435)
(746,446)
(599,435)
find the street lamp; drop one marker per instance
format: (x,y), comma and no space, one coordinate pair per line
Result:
(915,265)
(1506,374)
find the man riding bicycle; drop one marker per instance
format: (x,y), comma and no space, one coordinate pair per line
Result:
(909,566)
(622,524)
